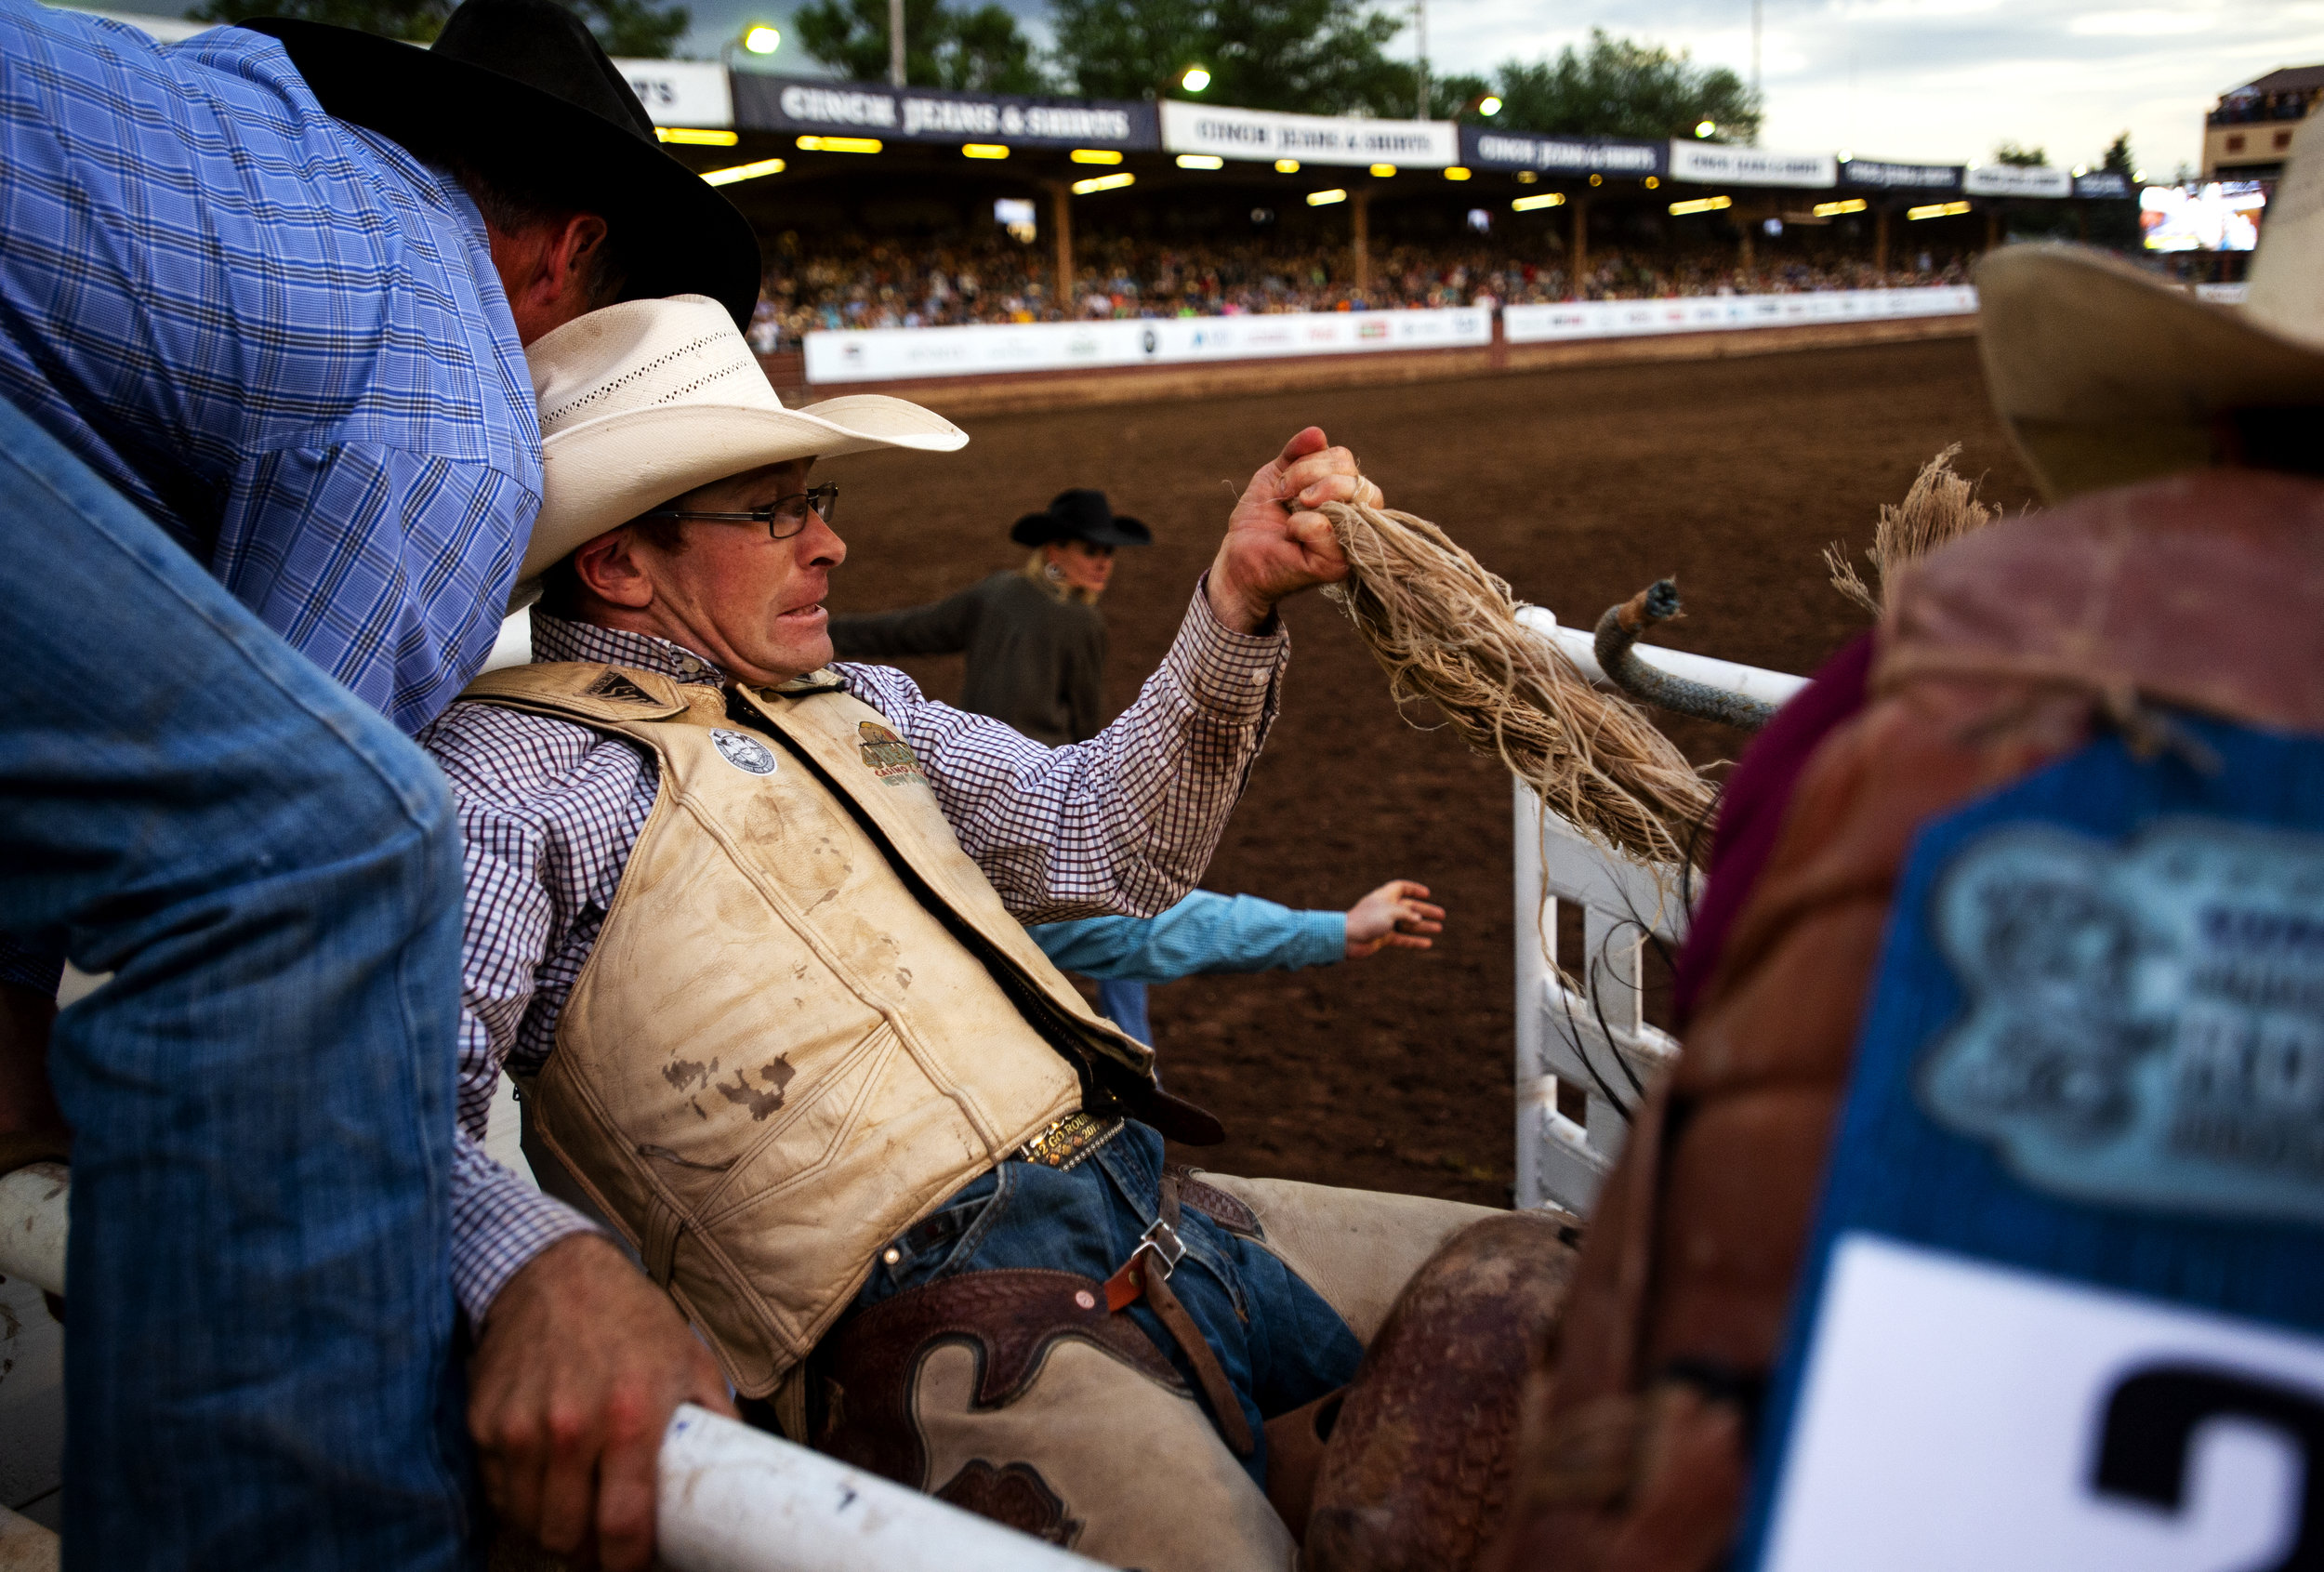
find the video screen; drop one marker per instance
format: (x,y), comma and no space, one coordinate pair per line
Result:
(2220,216)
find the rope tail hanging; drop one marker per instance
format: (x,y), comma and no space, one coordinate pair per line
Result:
(1446,630)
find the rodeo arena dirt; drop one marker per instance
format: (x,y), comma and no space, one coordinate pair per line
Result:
(1843,653)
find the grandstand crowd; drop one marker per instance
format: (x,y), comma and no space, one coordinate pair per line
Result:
(857,282)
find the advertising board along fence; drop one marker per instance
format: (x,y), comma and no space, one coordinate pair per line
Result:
(1716,314)
(883,355)
(1581,1019)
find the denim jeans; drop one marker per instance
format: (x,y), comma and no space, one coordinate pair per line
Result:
(1124,1003)
(1279,1342)
(259,1337)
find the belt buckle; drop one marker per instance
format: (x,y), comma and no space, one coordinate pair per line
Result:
(1163,1241)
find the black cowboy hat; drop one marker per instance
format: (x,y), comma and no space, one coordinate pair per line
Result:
(523,84)
(1079,515)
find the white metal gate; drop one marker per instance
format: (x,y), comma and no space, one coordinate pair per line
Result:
(1580,1018)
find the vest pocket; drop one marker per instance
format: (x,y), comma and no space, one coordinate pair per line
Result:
(811,1134)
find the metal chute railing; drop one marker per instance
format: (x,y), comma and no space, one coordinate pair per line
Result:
(733,1498)
(1582,1027)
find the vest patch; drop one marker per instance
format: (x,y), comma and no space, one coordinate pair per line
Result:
(614,686)
(743,751)
(889,756)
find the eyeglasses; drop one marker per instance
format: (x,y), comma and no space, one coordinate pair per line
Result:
(784,517)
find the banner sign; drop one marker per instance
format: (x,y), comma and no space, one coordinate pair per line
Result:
(1717,164)
(2064,1302)
(1483,149)
(2012,180)
(2104,184)
(1874,174)
(1263,136)
(1717,313)
(924,114)
(987,349)
(680,92)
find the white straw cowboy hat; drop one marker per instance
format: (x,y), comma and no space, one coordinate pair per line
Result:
(2107,375)
(643,402)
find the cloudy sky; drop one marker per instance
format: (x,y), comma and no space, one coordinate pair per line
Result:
(1942,80)
(1935,80)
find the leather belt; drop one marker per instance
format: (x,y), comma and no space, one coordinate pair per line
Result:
(1066,1144)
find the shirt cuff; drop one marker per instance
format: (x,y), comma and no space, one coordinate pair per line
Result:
(1230,675)
(1322,939)
(500,1224)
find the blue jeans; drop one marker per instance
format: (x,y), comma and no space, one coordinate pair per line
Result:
(1279,1342)
(258,1345)
(1124,1003)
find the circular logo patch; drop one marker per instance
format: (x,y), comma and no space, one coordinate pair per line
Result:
(745,752)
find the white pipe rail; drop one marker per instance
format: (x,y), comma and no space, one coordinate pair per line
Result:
(1581,644)
(732,1498)
(33,1224)
(1583,1028)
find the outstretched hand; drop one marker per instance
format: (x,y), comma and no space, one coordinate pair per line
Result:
(1395,916)
(580,1366)
(1276,543)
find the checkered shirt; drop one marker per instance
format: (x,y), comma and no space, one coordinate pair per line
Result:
(549,812)
(277,333)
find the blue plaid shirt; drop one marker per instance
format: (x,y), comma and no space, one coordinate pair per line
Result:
(278,333)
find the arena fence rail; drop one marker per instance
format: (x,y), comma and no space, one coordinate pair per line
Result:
(732,1498)
(1581,1022)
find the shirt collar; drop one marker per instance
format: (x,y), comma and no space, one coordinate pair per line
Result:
(555,638)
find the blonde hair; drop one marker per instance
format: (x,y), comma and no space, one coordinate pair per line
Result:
(1036,569)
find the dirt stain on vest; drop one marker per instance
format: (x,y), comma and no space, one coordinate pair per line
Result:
(689,1073)
(761,1100)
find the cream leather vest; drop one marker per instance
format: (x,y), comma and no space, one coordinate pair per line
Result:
(808,1018)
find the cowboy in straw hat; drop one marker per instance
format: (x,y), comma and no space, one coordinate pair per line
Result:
(748,928)
(2107,375)
(269,441)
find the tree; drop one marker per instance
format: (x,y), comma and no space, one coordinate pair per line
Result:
(1621,88)
(978,51)
(2023,158)
(1319,57)
(2118,159)
(636,29)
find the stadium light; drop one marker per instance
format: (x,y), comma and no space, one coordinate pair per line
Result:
(838,144)
(743,172)
(1527,177)
(1527,204)
(2081,169)
(1195,79)
(1456,173)
(1597,180)
(688,136)
(982,150)
(1704,128)
(1651,181)
(1103,183)
(763,39)
(1324,199)
(1200,161)
(1095,155)
(1489,105)
(1938,210)
(1700,204)
(1383,171)
(1833,209)
(1287,166)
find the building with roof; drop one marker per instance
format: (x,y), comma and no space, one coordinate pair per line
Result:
(2248,133)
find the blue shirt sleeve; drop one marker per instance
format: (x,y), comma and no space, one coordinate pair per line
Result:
(278,333)
(1203,933)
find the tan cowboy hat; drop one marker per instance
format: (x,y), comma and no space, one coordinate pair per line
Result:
(645,400)
(2107,375)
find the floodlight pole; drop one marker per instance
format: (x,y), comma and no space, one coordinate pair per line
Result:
(1420,18)
(1755,11)
(896,42)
